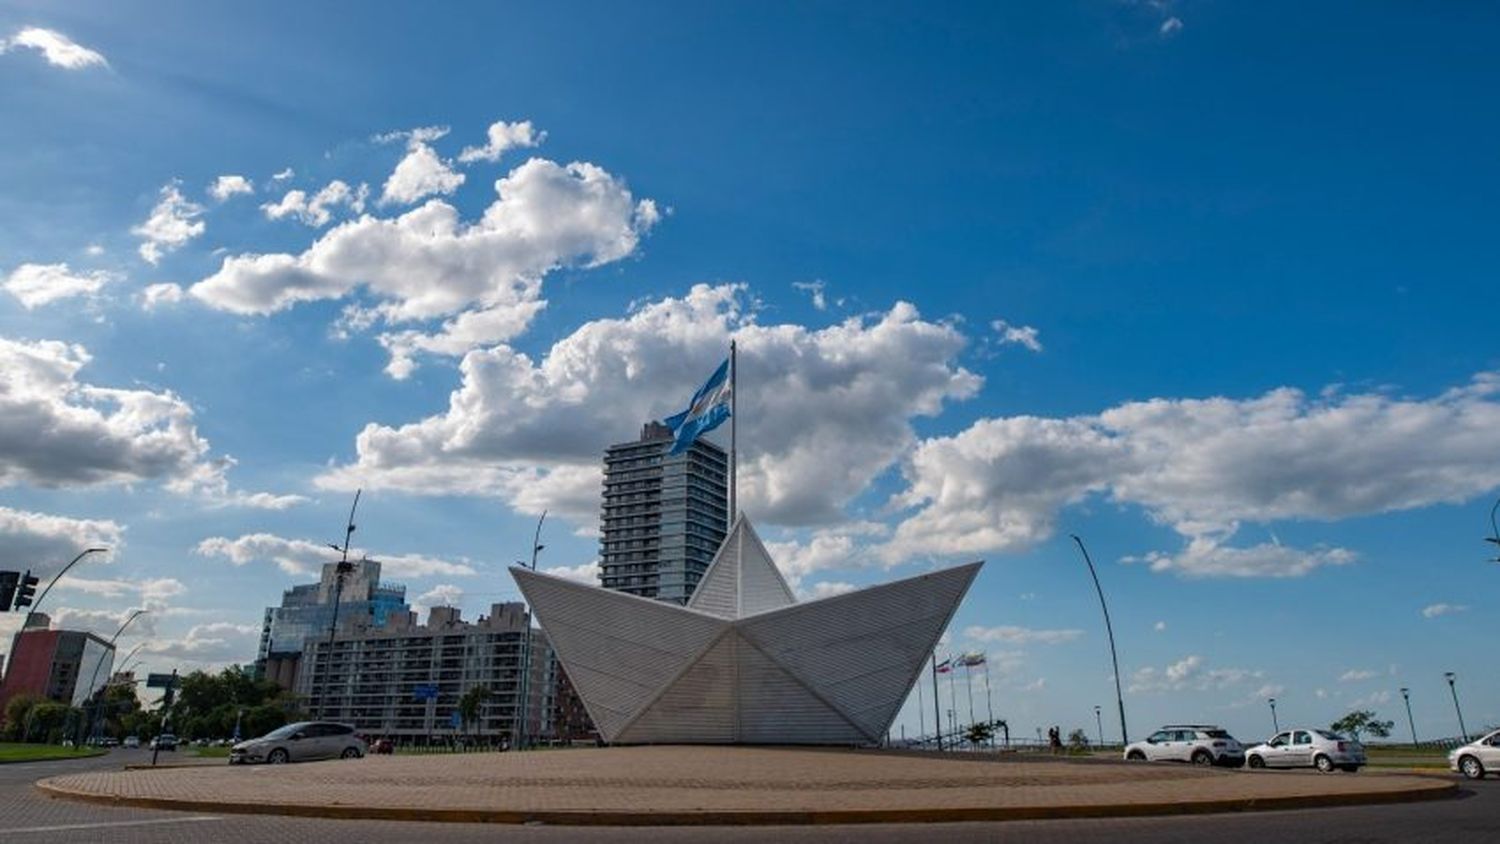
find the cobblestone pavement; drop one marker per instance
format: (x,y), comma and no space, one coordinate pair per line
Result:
(28,817)
(705,779)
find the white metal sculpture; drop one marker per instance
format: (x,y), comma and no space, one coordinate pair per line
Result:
(744,662)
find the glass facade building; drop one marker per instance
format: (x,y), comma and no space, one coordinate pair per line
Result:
(307,614)
(663,517)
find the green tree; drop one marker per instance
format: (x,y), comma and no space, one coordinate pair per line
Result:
(979,733)
(1362,721)
(16,710)
(47,720)
(470,704)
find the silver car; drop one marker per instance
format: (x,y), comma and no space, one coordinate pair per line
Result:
(300,742)
(1200,744)
(1308,748)
(1477,758)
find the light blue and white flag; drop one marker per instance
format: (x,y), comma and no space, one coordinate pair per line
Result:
(707,411)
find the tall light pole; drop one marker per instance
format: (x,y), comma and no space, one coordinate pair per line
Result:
(1406,696)
(1450,677)
(340,570)
(519,734)
(26,624)
(1275,724)
(1099,719)
(94,710)
(1119,696)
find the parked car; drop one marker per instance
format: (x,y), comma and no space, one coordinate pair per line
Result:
(110,741)
(165,741)
(1477,758)
(1308,748)
(132,742)
(1200,744)
(299,742)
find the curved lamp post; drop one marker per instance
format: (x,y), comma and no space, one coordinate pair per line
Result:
(1275,724)
(1450,677)
(519,735)
(1406,696)
(93,722)
(1119,696)
(42,597)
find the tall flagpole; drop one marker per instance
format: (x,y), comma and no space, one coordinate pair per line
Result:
(989,703)
(734,418)
(937,705)
(921,704)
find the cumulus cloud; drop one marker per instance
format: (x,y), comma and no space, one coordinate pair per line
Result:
(173,222)
(421,172)
(532,432)
(1169,27)
(587,573)
(317,210)
(283,175)
(59,50)
(1356,675)
(35,285)
(160,295)
(1190,672)
(228,186)
(485,277)
(212,644)
(57,431)
(1203,466)
(1020,335)
(441,595)
(45,542)
(301,557)
(1013,635)
(825,589)
(814,289)
(502,137)
(1435,610)
(151,591)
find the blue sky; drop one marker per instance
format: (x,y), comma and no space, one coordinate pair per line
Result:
(1208,284)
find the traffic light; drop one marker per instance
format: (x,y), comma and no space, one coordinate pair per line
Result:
(25,590)
(8,581)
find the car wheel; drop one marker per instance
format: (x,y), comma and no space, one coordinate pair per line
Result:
(1471,767)
(1323,763)
(1203,757)
(350,753)
(1135,756)
(277,757)
(1257,762)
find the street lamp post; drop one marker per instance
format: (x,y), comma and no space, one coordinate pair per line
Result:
(1275,724)
(26,624)
(1450,677)
(1406,696)
(93,721)
(340,570)
(519,734)
(1119,696)
(1099,720)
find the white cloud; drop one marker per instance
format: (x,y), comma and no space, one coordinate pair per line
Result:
(318,210)
(441,595)
(229,185)
(41,284)
(59,50)
(56,431)
(853,389)
(1356,675)
(1203,466)
(160,295)
(1011,634)
(825,589)
(301,557)
(1169,27)
(587,573)
(1036,685)
(428,264)
(1190,672)
(261,500)
(421,172)
(93,250)
(1021,335)
(1159,626)
(173,222)
(44,542)
(814,289)
(829,548)
(1435,610)
(214,643)
(283,175)
(153,592)
(501,137)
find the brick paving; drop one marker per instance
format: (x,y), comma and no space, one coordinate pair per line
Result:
(687,780)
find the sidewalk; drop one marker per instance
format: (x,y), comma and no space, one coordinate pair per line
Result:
(688,785)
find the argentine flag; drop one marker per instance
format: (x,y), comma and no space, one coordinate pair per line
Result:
(708,409)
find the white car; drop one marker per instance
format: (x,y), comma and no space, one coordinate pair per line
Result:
(132,741)
(1308,748)
(1200,744)
(1477,758)
(299,742)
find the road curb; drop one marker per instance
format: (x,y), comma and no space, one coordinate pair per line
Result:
(1437,791)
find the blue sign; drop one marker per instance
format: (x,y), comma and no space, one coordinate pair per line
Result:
(425,692)
(456,719)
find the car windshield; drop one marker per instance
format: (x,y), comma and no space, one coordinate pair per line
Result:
(283,732)
(1330,736)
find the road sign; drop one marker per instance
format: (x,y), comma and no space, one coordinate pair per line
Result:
(425,692)
(160,681)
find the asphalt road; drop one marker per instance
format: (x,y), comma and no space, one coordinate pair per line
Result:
(29,817)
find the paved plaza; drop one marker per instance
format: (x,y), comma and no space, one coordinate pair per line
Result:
(689,785)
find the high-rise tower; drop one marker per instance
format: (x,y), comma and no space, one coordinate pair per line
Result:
(664,516)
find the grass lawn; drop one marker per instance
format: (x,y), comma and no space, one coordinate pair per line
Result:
(208,752)
(41,752)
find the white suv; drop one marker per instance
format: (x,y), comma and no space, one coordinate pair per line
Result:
(1200,744)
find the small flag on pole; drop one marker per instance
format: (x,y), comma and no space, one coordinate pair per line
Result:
(945,666)
(707,411)
(971,659)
